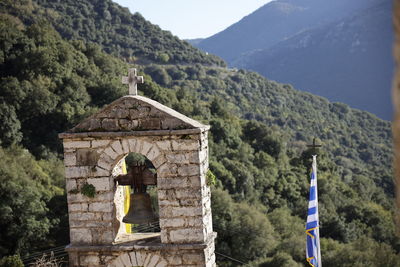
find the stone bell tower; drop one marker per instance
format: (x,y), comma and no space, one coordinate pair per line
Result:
(177,147)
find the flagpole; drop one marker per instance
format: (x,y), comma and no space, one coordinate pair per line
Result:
(313,251)
(316,193)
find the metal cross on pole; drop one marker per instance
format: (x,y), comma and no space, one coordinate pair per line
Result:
(132,80)
(314,145)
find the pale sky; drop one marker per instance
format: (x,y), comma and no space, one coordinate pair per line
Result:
(189,19)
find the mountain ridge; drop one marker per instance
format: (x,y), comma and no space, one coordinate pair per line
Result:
(272,14)
(304,55)
(309,61)
(114,28)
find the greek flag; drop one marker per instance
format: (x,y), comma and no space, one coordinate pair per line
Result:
(313,252)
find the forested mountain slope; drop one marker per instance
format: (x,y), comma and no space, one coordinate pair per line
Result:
(113,27)
(337,49)
(258,151)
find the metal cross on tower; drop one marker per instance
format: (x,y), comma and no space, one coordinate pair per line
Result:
(314,146)
(132,80)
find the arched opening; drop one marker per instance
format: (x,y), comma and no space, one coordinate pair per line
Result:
(136,199)
(136,160)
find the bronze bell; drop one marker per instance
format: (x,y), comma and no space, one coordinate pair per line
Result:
(140,210)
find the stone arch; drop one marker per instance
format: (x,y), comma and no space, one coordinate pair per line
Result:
(117,149)
(112,155)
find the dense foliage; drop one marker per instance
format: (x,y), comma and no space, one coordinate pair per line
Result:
(257,150)
(112,27)
(33,208)
(11,261)
(49,82)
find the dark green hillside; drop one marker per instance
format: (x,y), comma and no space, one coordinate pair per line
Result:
(257,143)
(300,115)
(49,82)
(112,27)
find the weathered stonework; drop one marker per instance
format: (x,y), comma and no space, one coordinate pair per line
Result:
(178,148)
(135,113)
(149,253)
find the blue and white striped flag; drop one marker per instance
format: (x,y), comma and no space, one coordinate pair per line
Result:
(313,252)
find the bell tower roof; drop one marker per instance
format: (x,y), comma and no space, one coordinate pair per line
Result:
(134,114)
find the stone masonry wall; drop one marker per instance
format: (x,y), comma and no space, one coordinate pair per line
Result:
(178,148)
(174,256)
(184,197)
(135,113)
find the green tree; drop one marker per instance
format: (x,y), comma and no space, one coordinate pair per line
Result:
(11,261)
(25,189)
(10,126)
(361,252)
(245,233)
